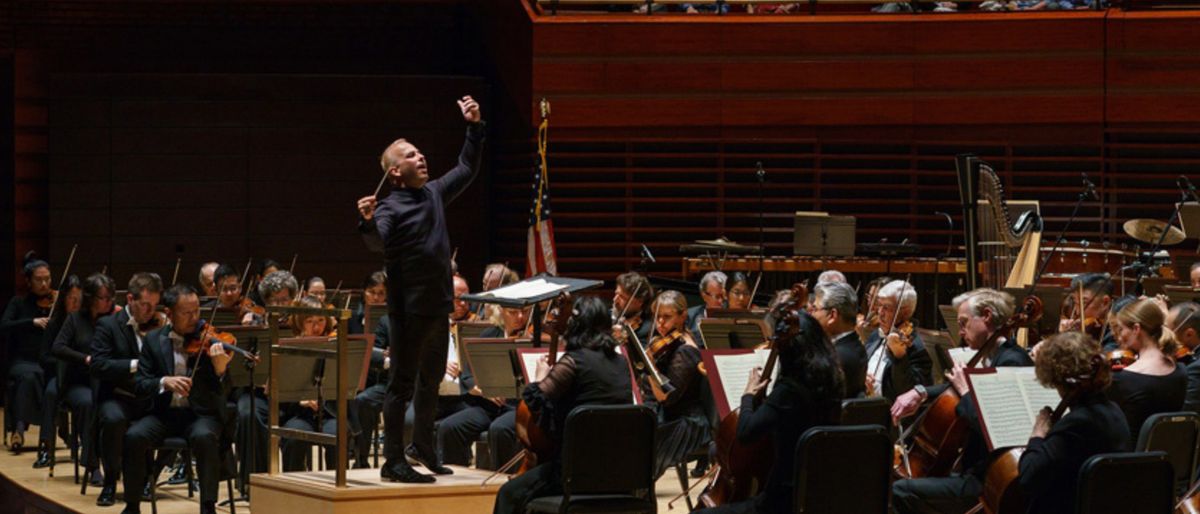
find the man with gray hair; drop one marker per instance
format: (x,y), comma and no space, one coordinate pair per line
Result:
(712,291)
(835,307)
(276,290)
(207,286)
(895,364)
(831,276)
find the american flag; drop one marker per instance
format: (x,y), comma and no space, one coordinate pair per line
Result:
(540,254)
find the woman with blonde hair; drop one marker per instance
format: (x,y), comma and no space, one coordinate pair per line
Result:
(1154,383)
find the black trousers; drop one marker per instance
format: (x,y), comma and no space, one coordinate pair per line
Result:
(203,434)
(418,352)
(77,398)
(457,432)
(364,417)
(542,480)
(296,452)
(251,430)
(949,495)
(26,382)
(115,415)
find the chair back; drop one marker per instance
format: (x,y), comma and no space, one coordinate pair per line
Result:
(866,411)
(860,489)
(609,449)
(1126,483)
(1177,434)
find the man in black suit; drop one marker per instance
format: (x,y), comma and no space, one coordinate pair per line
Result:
(712,291)
(894,366)
(116,349)
(835,307)
(187,393)
(409,226)
(980,313)
(1184,320)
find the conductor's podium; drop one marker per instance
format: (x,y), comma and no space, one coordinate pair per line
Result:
(365,492)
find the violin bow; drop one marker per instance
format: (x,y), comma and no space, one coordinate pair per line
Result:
(175,275)
(244,282)
(63,281)
(292,269)
(895,316)
(1079,307)
(754,291)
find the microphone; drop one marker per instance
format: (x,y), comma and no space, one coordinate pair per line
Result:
(949,220)
(1089,189)
(1186,186)
(646,253)
(760,173)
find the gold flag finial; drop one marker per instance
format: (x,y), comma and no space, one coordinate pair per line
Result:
(545,106)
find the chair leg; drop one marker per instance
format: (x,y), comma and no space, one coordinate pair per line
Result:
(154,495)
(681,470)
(87,476)
(232,498)
(375,445)
(191,479)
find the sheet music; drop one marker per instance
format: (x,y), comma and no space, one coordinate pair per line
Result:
(529,362)
(735,373)
(527,289)
(1008,403)
(961,355)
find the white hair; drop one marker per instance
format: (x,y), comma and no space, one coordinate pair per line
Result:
(999,303)
(892,290)
(713,276)
(831,276)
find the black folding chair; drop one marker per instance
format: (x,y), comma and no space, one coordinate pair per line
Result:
(1177,434)
(866,411)
(1126,483)
(858,489)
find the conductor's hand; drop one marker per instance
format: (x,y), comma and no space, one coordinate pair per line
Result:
(177,385)
(366,207)
(470,109)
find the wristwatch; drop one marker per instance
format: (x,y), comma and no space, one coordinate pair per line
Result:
(921,391)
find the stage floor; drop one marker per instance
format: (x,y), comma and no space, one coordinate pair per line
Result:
(61,493)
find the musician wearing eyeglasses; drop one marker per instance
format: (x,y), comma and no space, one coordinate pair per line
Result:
(896,361)
(836,309)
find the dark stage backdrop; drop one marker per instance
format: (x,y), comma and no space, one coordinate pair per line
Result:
(146,168)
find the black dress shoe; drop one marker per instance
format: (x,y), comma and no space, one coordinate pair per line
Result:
(400,471)
(108,496)
(131,509)
(146,492)
(97,479)
(44,460)
(433,464)
(180,476)
(362,464)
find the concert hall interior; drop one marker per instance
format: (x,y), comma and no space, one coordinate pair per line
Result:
(821,256)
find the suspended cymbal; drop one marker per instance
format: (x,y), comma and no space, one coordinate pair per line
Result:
(1148,231)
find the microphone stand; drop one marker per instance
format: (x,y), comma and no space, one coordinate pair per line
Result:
(937,266)
(1143,269)
(250,445)
(761,175)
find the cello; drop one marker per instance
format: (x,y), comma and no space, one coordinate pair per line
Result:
(742,468)
(939,433)
(540,446)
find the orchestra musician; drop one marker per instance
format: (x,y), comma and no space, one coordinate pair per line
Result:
(712,292)
(896,363)
(808,393)
(868,315)
(738,291)
(631,303)
(1194,275)
(980,313)
(116,350)
(374,293)
(315,287)
(1096,290)
(409,227)
(304,415)
(590,372)
(184,381)
(277,289)
(24,325)
(1184,320)
(683,424)
(1154,382)
(73,290)
(227,283)
(208,283)
(1049,467)
(835,308)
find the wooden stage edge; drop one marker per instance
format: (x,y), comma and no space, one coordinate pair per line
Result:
(314,493)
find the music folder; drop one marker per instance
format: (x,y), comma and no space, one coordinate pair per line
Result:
(1007,401)
(728,373)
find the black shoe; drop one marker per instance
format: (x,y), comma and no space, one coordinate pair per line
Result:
(362,464)
(146,492)
(131,509)
(433,464)
(108,496)
(700,470)
(44,459)
(180,476)
(97,479)
(208,508)
(400,471)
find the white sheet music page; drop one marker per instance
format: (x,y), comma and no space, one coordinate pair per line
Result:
(526,289)
(735,369)
(961,355)
(1008,403)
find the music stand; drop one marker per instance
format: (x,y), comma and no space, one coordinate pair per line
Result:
(1180,294)
(493,363)
(300,382)
(372,312)
(254,340)
(472,329)
(938,344)
(733,333)
(950,316)
(533,291)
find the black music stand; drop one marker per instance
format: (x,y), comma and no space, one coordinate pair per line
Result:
(255,340)
(533,291)
(493,364)
(733,333)
(306,372)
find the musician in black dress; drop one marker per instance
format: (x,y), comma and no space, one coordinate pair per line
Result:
(24,326)
(808,393)
(409,227)
(591,372)
(1154,383)
(1049,468)
(683,425)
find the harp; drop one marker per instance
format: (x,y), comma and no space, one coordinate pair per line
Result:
(1001,252)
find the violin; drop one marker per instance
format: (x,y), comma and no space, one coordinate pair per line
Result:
(1120,359)
(204,336)
(662,344)
(45,302)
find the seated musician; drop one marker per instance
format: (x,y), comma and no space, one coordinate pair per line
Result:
(374,293)
(187,389)
(896,363)
(315,287)
(1154,382)
(208,279)
(980,313)
(71,295)
(116,349)
(1184,320)
(1194,275)
(308,415)
(831,276)
(631,304)
(738,291)
(265,267)
(462,308)
(835,307)
(277,290)
(1097,300)
(72,348)
(23,327)
(498,416)
(808,393)
(868,312)
(1049,468)
(683,425)
(228,287)
(712,291)
(574,380)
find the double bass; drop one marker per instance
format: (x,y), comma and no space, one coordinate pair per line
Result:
(742,468)
(939,433)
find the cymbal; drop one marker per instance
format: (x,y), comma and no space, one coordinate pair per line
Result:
(1148,231)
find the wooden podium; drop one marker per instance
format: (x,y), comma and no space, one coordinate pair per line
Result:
(315,493)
